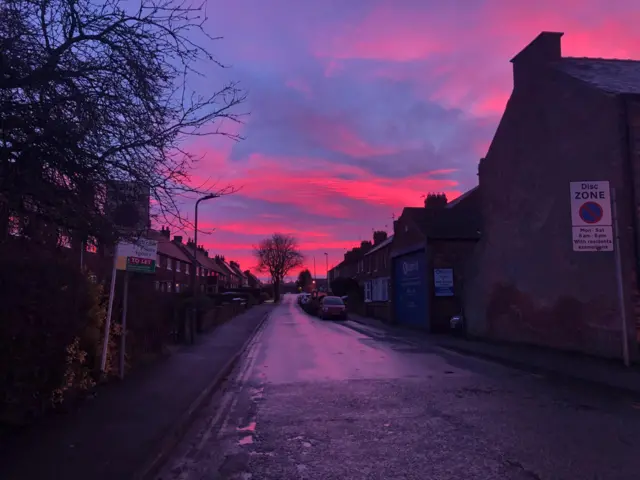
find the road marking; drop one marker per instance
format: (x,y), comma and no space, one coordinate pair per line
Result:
(243,377)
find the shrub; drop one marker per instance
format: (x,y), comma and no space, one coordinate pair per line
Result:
(50,331)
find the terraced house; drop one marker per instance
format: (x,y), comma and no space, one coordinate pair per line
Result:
(567,120)
(376,277)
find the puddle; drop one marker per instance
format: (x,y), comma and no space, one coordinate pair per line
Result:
(248,440)
(249,428)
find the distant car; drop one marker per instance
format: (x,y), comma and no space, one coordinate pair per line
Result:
(304,298)
(332,308)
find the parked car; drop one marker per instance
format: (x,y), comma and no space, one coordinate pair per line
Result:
(332,308)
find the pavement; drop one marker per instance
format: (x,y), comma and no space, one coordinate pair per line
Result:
(605,372)
(315,399)
(123,432)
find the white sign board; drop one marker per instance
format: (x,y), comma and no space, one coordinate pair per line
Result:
(443,282)
(137,257)
(591,218)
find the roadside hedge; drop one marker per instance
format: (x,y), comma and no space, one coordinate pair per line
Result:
(50,332)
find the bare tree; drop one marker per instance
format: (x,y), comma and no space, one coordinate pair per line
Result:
(278,255)
(96,92)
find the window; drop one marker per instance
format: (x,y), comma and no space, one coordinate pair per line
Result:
(186,268)
(367,291)
(380,290)
(157,286)
(169,263)
(178,263)
(14,226)
(158,261)
(375,262)
(91,245)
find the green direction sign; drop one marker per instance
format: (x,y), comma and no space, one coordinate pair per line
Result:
(140,265)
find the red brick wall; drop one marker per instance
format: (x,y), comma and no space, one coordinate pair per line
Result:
(527,285)
(447,254)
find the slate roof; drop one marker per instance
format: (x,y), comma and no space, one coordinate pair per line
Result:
(237,271)
(609,75)
(168,248)
(380,245)
(458,220)
(225,266)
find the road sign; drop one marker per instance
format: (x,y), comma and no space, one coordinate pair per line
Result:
(591,218)
(139,256)
(591,212)
(443,282)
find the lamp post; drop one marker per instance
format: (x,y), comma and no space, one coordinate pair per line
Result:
(326,256)
(194,266)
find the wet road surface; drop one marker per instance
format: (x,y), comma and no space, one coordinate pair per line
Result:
(338,400)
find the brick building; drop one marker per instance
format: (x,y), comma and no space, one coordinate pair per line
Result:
(233,280)
(429,254)
(375,276)
(242,279)
(172,265)
(568,119)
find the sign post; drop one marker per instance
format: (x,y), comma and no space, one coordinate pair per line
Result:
(107,323)
(595,229)
(591,217)
(123,334)
(623,312)
(138,257)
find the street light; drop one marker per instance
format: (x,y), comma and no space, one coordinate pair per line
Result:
(326,256)
(194,273)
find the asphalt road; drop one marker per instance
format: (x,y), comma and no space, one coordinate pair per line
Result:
(329,400)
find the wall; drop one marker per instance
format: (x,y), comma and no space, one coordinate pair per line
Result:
(527,285)
(447,254)
(633,119)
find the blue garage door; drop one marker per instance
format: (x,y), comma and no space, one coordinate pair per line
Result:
(410,290)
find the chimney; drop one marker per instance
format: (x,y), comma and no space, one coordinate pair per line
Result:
(395,226)
(177,238)
(164,231)
(546,48)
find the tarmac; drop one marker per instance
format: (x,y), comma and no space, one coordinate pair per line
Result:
(608,373)
(128,427)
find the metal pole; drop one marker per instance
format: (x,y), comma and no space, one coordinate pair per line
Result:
(123,336)
(195,253)
(314,269)
(107,323)
(623,310)
(326,256)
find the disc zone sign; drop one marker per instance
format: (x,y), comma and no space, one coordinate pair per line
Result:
(591,219)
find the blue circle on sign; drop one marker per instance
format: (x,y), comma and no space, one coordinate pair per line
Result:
(591,212)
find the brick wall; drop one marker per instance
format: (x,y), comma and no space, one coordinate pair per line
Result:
(526,284)
(633,121)
(447,254)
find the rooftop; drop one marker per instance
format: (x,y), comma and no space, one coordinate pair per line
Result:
(380,245)
(610,75)
(461,219)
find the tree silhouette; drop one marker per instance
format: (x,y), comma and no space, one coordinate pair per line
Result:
(278,255)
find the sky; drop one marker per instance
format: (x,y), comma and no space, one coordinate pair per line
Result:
(359,108)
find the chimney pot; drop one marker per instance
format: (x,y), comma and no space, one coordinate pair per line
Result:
(177,238)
